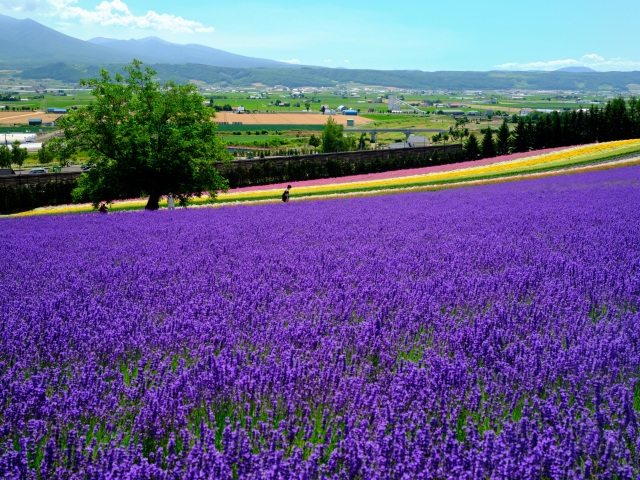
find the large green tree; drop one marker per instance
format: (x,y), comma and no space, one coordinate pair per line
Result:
(471,148)
(314,141)
(45,155)
(145,139)
(487,147)
(334,140)
(18,154)
(521,136)
(502,139)
(5,156)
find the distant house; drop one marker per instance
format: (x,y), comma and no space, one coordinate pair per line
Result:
(348,111)
(35,121)
(397,145)
(57,110)
(417,140)
(453,113)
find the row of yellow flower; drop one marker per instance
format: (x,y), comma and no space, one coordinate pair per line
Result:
(425,187)
(470,175)
(554,159)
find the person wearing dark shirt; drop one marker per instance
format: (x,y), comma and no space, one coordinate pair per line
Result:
(285,194)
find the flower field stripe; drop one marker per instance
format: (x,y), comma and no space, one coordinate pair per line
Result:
(560,160)
(487,332)
(574,155)
(413,171)
(421,183)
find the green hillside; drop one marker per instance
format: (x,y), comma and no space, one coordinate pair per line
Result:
(319,77)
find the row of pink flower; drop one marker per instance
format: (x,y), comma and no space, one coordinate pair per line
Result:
(406,172)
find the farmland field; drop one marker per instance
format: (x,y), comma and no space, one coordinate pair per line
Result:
(486,332)
(10,118)
(286,118)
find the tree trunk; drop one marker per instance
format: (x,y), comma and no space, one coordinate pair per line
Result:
(153,203)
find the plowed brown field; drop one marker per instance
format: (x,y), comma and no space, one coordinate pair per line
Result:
(286,118)
(22,118)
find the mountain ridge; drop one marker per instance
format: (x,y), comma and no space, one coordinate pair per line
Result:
(31,42)
(147,49)
(38,52)
(27,43)
(576,69)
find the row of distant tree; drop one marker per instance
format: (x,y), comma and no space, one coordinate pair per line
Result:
(14,155)
(617,120)
(22,108)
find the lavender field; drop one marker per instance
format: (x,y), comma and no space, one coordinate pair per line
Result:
(486,332)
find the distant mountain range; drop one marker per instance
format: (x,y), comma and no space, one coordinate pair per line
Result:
(575,69)
(156,50)
(26,43)
(39,52)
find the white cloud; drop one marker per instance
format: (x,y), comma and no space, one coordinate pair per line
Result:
(38,6)
(593,57)
(293,60)
(345,61)
(591,60)
(116,13)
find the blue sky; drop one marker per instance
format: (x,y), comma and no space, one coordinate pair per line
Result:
(373,34)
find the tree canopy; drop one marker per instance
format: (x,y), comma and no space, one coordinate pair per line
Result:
(502,139)
(334,140)
(143,139)
(471,148)
(18,154)
(487,147)
(5,156)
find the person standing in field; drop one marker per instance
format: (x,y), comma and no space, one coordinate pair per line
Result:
(285,194)
(171,204)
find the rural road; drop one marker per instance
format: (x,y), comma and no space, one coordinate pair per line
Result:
(25,170)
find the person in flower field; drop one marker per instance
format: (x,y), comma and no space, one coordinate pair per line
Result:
(285,194)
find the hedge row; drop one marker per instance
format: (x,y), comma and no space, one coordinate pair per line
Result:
(14,199)
(268,172)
